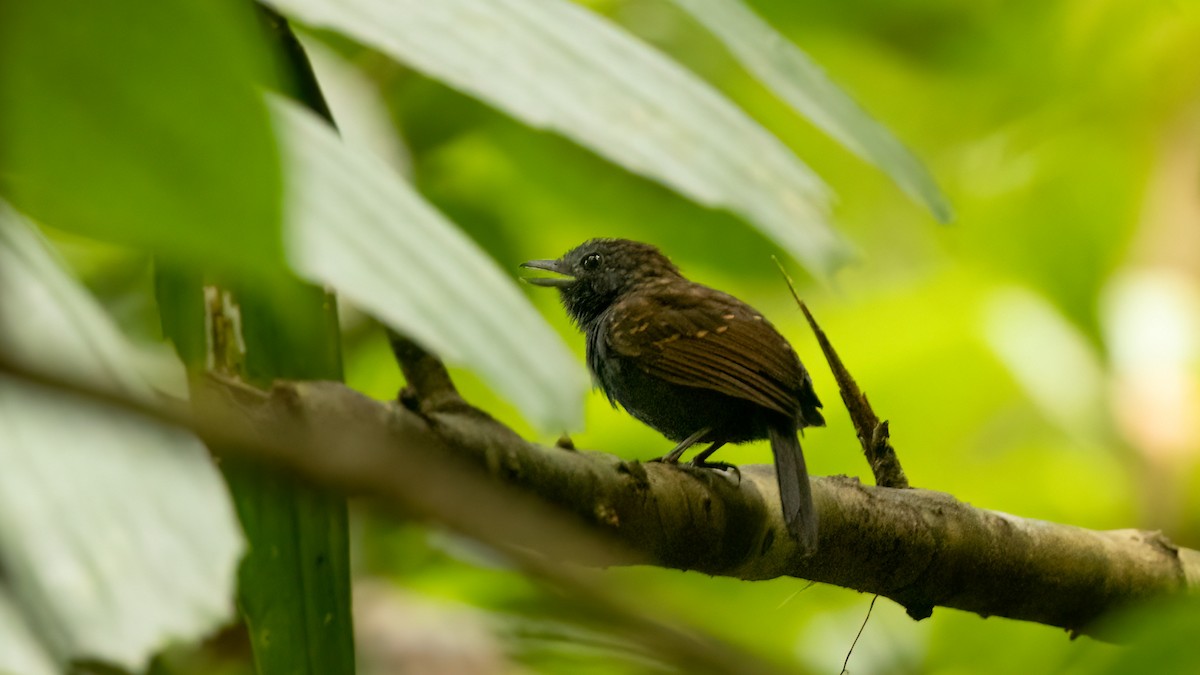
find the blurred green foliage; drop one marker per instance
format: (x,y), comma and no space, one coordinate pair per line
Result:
(98,113)
(1046,123)
(1067,137)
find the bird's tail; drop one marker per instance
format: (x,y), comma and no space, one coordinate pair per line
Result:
(794,490)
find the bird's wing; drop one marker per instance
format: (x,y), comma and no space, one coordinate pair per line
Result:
(696,337)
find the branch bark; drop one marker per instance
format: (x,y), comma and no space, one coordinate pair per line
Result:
(920,548)
(332,437)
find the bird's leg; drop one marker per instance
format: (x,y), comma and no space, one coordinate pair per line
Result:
(699,460)
(706,453)
(673,456)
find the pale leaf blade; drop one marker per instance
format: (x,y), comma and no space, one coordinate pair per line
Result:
(352,223)
(799,81)
(558,66)
(116,533)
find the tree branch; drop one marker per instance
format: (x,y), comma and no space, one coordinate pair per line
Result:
(333,437)
(920,548)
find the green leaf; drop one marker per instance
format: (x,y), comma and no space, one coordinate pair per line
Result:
(116,533)
(791,74)
(139,122)
(355,225)
(294,583)
(558,66)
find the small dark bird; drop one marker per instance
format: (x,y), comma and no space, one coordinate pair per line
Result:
(696,364)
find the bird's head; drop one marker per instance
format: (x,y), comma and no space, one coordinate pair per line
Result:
(596,273)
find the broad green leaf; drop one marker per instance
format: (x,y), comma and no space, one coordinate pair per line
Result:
(138,122)
(294,582)
(354,224)
(791,74)
(556,65)
(116,533)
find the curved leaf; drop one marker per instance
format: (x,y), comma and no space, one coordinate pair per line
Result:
(352,223)
(791,74)
(20,651)
(116,533)
(555,65)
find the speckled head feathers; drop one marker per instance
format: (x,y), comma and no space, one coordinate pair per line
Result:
(598,271)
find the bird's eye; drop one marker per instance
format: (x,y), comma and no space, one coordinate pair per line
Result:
(591,262)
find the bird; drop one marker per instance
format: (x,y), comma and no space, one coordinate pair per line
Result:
(694,363)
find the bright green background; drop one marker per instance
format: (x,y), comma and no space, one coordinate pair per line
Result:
(1067,137)
(1048,124)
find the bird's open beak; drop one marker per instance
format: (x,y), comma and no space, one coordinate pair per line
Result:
(550,266)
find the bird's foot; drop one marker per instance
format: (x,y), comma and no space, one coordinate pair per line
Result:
(665,459)
(719,466)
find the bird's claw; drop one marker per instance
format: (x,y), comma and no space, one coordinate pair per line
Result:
(720,466)
(665,459)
